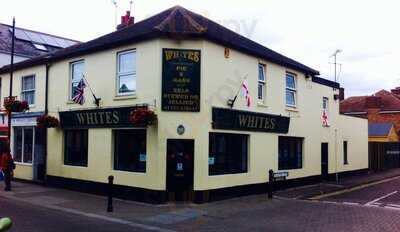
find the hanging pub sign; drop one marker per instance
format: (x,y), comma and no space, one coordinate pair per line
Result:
(96,118)
(181,80)
(227,119)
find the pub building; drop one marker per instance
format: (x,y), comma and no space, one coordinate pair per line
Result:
(162,114)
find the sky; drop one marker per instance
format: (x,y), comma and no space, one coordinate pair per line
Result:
(309,31)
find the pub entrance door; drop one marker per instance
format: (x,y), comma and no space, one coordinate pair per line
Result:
(180,169)
(324,161)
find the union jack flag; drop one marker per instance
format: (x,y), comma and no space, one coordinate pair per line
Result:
(79,92)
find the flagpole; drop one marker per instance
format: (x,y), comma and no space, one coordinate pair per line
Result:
(231,102)
(96,99)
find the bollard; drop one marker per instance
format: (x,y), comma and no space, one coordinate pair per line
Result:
(110,194)
(271,183)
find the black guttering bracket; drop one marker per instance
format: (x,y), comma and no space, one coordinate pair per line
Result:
(326,82)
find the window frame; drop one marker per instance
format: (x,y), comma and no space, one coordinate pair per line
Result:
(22,162)
(114,152)
(325,101)
(71,75)
(24,91)
(301,139)
(262,83)
(224,172)
(345,152)
(65,148)
(119,74)
(291,90)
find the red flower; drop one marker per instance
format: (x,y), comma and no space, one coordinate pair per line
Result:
(11,104)
(46,121)
(143,117)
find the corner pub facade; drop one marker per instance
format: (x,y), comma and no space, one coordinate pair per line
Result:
(187,69)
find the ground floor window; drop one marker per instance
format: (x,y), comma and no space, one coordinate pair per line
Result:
(345,158)
(290,153)
(228,153)
(130,150)
(24,140)
(76,147)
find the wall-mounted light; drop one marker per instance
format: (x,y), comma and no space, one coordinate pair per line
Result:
(227,53)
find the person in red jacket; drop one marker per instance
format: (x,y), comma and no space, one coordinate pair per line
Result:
(7,166)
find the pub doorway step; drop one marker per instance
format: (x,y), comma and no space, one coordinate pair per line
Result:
(181,197)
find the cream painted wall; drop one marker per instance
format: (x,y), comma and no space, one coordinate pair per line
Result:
(220,79)
(40,82)
(25,171)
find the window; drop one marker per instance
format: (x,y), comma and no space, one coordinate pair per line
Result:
(126,72)
(77,73)
(76,148)
(261,82)
(290,153)
(39,47)
(28,89)
(345,158)
(291,90)
(23,144)
(228,153)
(130,150)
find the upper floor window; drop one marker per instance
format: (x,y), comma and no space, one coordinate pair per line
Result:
(126,72)
(77,73)
(28,89)
(261,82)
(291,90)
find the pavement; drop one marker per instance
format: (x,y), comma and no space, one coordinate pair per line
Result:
(321,189)
(50,209)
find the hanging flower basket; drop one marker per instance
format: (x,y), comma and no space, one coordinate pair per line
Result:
(46,121)
(143,117)
(11,104)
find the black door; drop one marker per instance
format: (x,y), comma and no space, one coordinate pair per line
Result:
(324,161)
(180,161)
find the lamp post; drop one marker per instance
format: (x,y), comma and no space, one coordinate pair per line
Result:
(11,81)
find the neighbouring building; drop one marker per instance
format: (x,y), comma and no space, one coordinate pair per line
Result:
(206,143)
(28,44)
(382,132)
(381,109)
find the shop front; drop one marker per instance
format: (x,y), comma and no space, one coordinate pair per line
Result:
(27,146)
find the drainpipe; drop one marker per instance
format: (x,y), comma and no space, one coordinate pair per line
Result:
(336,158)
(46,111)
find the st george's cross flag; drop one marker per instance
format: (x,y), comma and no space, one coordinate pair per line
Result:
(246,93)
(325,119)
(79,92)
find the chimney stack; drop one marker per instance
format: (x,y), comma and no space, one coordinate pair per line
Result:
(396,91)
(341,94)
(126,20)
